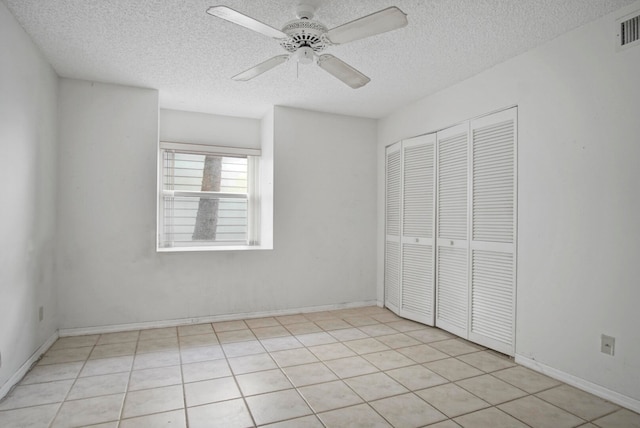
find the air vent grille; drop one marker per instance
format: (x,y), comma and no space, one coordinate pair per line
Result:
(629,31)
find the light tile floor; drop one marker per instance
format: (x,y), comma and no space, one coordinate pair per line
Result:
(361,367)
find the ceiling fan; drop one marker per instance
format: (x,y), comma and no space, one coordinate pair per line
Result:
(306,39)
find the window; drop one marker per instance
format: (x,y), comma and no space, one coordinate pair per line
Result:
(208,197)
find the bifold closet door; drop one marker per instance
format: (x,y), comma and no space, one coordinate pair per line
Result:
(417,261)
(452,279)
(493,230)
(393,195)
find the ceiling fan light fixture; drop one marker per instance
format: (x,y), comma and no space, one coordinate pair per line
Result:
(305,55)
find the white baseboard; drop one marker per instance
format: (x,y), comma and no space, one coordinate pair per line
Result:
(585,385)
(215,318)
(17,376)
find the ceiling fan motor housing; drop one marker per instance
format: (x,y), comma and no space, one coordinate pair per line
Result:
(304,33)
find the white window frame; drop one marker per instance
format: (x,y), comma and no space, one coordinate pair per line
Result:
(252,197)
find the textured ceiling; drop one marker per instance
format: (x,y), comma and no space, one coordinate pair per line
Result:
(189,56)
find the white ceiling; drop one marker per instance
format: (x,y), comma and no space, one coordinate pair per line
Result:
(189,56)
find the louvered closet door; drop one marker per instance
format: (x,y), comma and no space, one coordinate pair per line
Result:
(393,195)
(452,281)
(493,230)
(418,224)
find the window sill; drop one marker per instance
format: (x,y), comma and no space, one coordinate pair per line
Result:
(212,248)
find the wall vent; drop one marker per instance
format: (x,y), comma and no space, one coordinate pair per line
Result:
(628,31)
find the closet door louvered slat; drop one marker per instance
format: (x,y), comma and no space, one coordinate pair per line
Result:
(452,282)
(493,230)
(418,215)
(392,255)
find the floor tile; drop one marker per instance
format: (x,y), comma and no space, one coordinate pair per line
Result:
(361,416)
(201,353)
(263,381)
(374,330)
(195,329)
(491,389)
(240,349)
(540,414)
(375,386)
(398,340)
(428,335)
(329,396)
(277,406)
(308,374)
(175,419)
(332,324)
(526,379)
(197,340)
(235,336)
(317,316)
(158,333)
(621,419)
(155,378)
(387,360)
(113,350)
(360,321)
(268,332)
(75,342)
(211,391)
(312,339)
(162,344)
(107,366)
(89,411)
(281,343)
(489,418)
(416,377)
(331,351)
(366,346)
(32,417)
(262,322)
(385,317)
(487,361)
(351,366)
(422,353)
(205,370)
(229,326)
(95,386)
(36,394)
(445,424)
(453,369)
(149,401)
(348,334)
(251,363)
(120,337)
(156,359)
(304,422)
(578,402)
(65,355)
(293,357)
(228,414)
(452,400)
(303,328)
(52,372)
(407,411)
(455,347)
(405,325)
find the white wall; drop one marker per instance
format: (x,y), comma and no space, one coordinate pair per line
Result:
(579,200)
(28,92)
(201,128)
(109,271)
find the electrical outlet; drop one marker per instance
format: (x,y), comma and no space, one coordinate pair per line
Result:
(41,313)
(607,344)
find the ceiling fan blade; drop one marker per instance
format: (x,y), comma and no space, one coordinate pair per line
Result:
(261,68)
(342,71)
(379,22)
(243,20)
